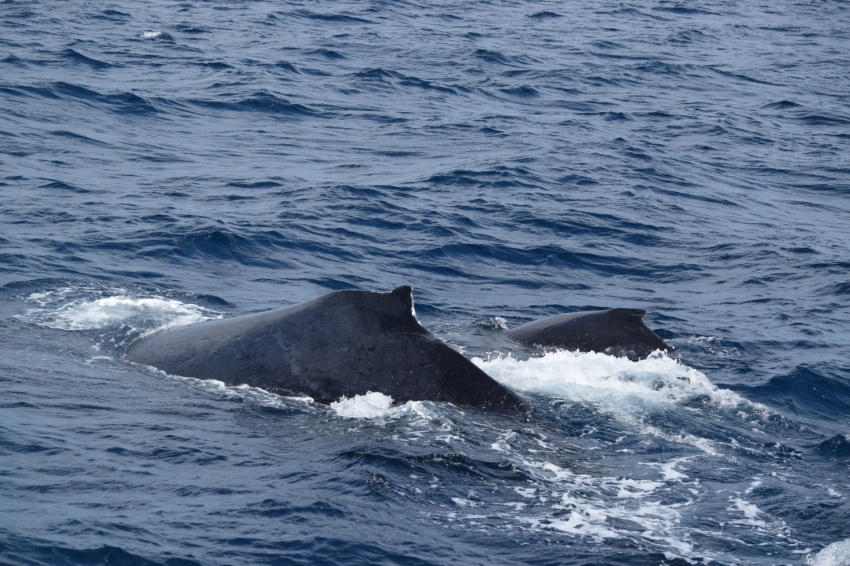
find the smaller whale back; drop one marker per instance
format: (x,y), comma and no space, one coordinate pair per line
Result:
(345,343)
(618,331)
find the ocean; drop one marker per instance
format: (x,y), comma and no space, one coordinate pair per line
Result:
(164,163)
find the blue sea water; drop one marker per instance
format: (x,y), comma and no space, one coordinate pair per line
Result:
(162,163)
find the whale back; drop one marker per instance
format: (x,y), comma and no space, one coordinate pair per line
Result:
(619,331)
(345,343)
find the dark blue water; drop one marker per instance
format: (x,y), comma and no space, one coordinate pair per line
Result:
(162,163)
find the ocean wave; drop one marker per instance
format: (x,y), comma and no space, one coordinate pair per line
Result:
(28,550)
(813,391)
(261,102)
(76,57)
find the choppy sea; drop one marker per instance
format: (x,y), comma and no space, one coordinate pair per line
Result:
(163,163)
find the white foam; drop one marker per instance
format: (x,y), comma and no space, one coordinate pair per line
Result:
(750,510)
(757,482)
(377,406)
(668,469)
(527,492)
(703,444)
(710,344)
(244,392)
(577,524)
(623,388)
(653,509)
(593,507)
(369,406)
(461,502)
(48,297)
(836,554)
(669,472)
(151,34)
(151,313)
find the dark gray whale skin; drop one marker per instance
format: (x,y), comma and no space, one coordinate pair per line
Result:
(613,331)
(342,344)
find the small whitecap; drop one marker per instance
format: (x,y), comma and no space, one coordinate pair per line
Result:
(154,35)
(669,471)
(750,511)
(462,502)
(493,323)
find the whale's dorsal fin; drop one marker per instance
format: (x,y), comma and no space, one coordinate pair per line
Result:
(405,295)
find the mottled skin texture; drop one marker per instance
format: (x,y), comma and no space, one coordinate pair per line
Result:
(613,331)
(342,344)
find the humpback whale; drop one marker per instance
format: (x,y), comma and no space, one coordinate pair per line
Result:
(613,331)
(344,343)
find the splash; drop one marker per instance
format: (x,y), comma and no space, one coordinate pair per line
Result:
(836,554)
(620,387)
(369,406)
(377,406)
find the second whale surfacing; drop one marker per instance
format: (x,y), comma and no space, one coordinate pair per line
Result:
(618,331)
(342,344)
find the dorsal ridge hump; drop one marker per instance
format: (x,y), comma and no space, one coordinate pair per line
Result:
(634,314)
